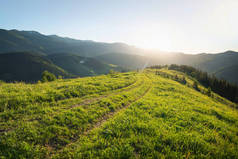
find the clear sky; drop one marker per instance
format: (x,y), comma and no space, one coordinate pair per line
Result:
(190,26)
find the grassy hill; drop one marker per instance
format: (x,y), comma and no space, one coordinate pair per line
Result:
(119,115)
(26,66)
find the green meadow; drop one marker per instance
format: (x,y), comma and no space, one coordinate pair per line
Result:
(120,115)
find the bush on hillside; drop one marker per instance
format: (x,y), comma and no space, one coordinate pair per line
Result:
(47,77)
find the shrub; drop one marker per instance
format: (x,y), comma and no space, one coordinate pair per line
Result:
(47,77)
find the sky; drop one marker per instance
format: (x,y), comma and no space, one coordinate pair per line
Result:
(190,26)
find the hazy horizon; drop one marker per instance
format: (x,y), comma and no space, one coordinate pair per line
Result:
(174,26)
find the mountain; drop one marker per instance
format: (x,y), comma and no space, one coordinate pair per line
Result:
(81,66)
(14,40)
(125,60)
(26,66)
(134,61)
(228,73)
(223,65)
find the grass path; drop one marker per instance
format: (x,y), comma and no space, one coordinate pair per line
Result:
(107,116)
(87,102)
(111,114)
(169,126)
(90,101)
(134,115)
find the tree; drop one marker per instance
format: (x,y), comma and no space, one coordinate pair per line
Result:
(209,91)
(47,77)
(219,86)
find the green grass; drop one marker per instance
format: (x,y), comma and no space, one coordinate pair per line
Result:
(129,115)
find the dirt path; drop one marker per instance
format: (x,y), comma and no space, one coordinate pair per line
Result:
(112,114)
(89,101)
(105,118)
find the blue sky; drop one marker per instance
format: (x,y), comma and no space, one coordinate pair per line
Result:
(190,26)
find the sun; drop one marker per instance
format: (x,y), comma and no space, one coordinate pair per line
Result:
(154,38)
(152,42)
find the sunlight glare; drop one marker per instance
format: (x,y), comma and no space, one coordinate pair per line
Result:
(154,38)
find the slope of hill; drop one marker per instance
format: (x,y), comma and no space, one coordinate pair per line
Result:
(25,66)
(126,115)
(81,66)
(14,40)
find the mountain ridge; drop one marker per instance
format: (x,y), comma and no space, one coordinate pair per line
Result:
(28,66)
(14,40)
(123,55)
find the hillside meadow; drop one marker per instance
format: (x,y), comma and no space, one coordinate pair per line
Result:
(120,115)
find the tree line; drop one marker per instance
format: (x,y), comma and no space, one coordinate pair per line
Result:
(219,86)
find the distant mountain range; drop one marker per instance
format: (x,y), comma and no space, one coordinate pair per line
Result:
(25,54)
(24,66)
(15,41)
(28,66)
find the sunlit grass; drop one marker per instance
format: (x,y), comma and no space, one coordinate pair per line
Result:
(147,116)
